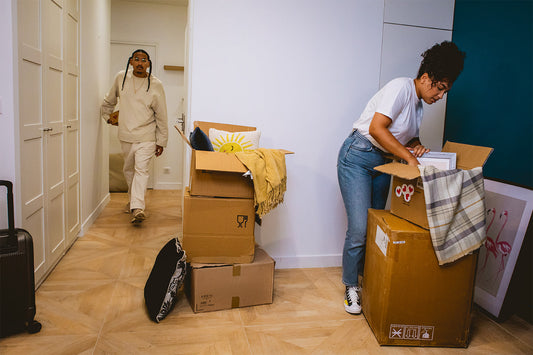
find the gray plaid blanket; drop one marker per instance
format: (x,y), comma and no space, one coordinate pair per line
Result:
(455,204)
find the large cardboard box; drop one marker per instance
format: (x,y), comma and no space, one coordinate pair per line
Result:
(407,298)
(407,198)
(216,173)
(218,230)
(212,287)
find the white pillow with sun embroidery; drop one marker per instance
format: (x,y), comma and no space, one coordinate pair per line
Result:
(232,142)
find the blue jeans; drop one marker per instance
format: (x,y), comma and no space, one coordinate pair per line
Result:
(362,188)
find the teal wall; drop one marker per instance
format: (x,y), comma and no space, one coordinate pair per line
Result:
(491,103)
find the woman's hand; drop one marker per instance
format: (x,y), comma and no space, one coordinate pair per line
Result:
(379,129)
(418,150)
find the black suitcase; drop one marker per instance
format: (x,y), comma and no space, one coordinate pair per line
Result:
(17,283)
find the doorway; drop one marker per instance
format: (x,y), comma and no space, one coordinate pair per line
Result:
(160,29)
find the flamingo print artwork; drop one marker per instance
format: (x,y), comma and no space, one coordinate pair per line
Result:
(503,248)
(489,242)
(499,249)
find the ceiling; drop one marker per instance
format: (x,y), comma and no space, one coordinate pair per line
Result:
(163,2)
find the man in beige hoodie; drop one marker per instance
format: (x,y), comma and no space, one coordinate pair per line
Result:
(143,127)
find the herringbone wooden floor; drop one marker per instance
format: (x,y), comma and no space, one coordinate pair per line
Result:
(93,303)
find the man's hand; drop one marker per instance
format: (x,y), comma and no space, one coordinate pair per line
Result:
(113,119)
(158,150)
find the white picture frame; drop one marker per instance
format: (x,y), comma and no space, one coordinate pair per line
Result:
(509,210)
(440,160)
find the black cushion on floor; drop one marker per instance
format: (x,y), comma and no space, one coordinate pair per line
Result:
(165,280)
(199,140)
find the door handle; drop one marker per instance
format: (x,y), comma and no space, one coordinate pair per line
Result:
(47,129)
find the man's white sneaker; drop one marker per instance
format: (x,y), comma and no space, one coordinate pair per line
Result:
(352,304)
(137,216)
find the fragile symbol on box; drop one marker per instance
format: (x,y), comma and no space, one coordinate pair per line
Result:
(411,332)
(242,220)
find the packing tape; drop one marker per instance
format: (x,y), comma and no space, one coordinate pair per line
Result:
(235,302)
(236,270)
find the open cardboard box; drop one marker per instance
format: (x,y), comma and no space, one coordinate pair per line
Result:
(407,298)
(212,287)
(409,201)
(220,174)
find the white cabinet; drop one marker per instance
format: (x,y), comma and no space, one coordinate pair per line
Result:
(48,67)
(410,27)
(420,13)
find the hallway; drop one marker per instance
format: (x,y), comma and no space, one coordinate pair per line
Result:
(93,303)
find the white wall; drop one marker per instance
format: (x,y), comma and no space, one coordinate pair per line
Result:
(163,25)
(301,71)
(7,106)
(94,52)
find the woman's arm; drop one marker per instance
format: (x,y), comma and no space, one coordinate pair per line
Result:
(380,132)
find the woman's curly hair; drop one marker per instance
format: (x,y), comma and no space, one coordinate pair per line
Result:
(442,62)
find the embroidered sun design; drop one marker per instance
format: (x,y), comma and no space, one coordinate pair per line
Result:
(231,143)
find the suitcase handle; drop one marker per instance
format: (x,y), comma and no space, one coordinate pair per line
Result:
(9,243)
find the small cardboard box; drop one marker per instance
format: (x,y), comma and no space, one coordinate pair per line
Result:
(407,298)
(212,287)
(216,173)
(218,230)
(407,198)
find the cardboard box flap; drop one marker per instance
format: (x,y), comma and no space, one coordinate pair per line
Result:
(260,257)
(394,223)
(204,126)
(468,156)
(217,161)
(399,169)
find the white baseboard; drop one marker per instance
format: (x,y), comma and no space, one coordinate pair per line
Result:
(168,186)
(94,215)
(307,261)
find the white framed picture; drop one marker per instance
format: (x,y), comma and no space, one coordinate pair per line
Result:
(508,209)
(440,160)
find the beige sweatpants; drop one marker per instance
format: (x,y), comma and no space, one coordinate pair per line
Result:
(137,157)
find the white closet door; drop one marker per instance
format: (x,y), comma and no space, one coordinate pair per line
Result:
(52,32)
(31,129)
(72,121)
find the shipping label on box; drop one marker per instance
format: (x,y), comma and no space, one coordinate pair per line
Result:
(212,287)
(407,298)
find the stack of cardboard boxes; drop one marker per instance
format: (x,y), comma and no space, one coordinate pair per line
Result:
(227,269)
(407,298)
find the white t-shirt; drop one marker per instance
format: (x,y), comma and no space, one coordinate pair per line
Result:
(143,114)
(398,101)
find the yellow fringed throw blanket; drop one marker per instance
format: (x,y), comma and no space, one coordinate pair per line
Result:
(269,175)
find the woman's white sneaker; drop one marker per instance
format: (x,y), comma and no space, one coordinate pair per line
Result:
(352,304)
